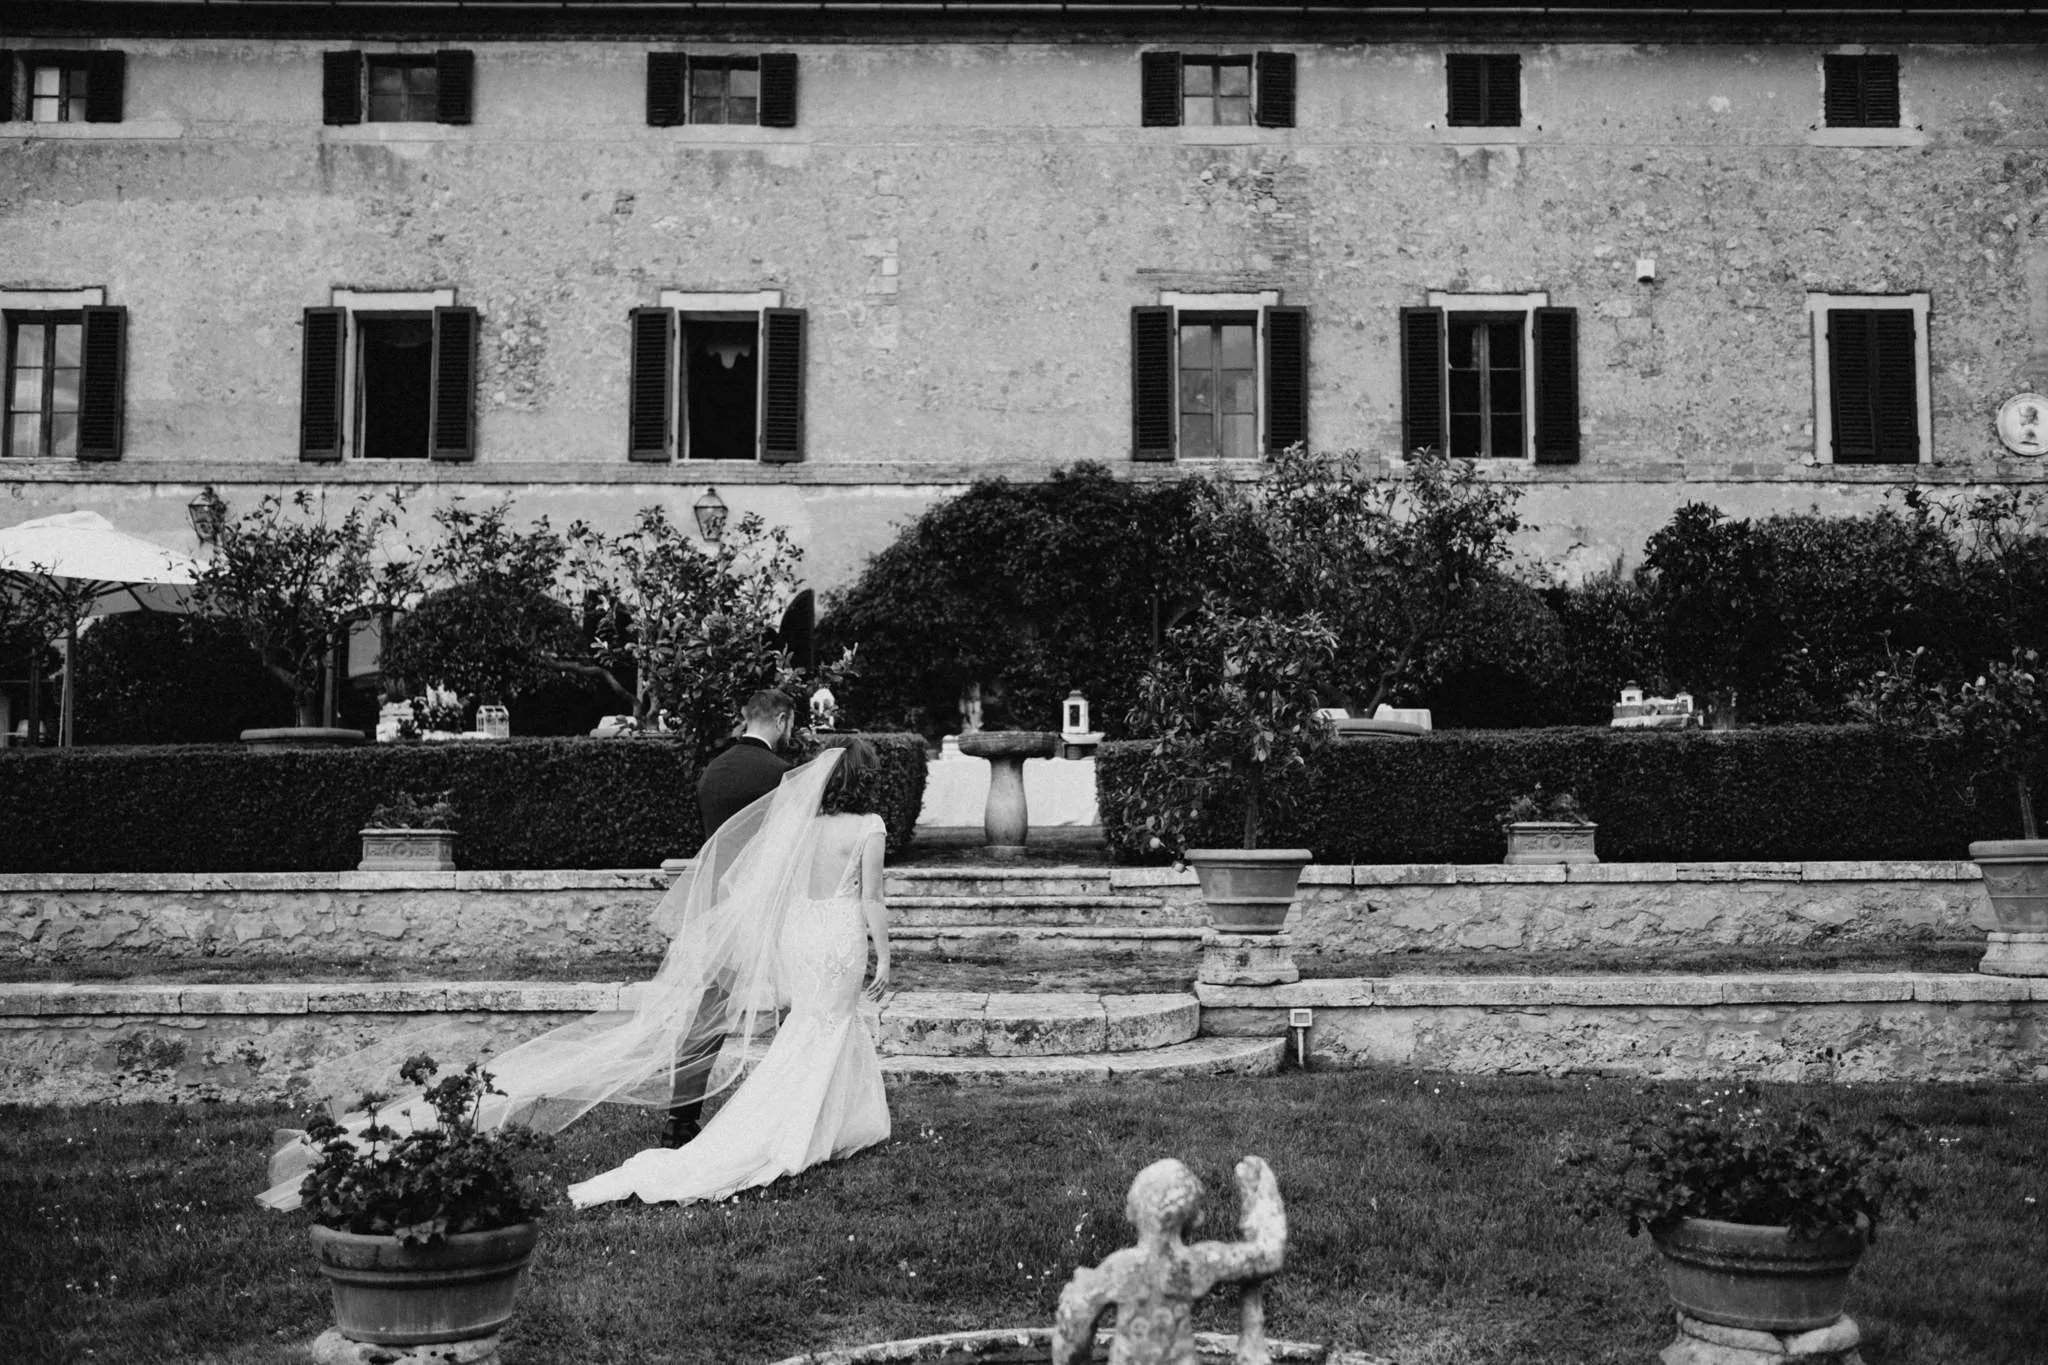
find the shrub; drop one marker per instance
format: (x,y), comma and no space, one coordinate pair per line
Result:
(525,803)
(1788,793)
(148,678)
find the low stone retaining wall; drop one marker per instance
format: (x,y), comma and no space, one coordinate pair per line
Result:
(1889,1026)
(1396,908)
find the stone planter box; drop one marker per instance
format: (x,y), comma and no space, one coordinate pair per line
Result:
(1550,841)
(407,850)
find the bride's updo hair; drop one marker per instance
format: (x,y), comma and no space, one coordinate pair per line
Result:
(855,786)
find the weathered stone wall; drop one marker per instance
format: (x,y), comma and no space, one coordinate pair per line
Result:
(1839,1027)
(968,224)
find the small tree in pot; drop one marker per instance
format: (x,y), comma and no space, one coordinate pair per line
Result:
(423,1234)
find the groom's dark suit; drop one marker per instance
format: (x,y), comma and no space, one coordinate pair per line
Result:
(747,771)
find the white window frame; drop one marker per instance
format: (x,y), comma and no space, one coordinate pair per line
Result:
(355,301)
(713,306)
(1817,306)
(1256,304)
(1526,305)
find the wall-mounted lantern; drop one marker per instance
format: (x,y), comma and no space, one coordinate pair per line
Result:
(710,510)
(208,514)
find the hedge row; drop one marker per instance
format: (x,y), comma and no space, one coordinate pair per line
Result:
(521,803)
(1790,793)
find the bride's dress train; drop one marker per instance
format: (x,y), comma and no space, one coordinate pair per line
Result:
(816,1093)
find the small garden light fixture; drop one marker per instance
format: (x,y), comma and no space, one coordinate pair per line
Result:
(208,513)
(710,510)
(1299,1022)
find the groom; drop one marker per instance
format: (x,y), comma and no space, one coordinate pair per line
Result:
(746,771)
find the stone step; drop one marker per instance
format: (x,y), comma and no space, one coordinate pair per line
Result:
(972,1024)
(995,939)
(1199,1057)
(1125,911)
(996,881)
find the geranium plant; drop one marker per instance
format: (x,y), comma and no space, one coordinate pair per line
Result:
(1732,1157)
(1559,808)
(432,1182)
(410,810)
(2000,717)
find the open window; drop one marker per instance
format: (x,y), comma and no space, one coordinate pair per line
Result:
(397,87)
(43,85)
(717,377)
(1195,89)
(697,88)
(389,376)
(1491,376)
(1218,376)
(66,357)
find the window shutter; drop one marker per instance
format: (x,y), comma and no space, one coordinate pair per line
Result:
(1159,89)
(103,367)
(1464,90)
(454,85)
(1841,91)
(452,416)
(777,108)
(106,80)
(1556,363)
(1894,374)
(1422,379)
(320,384)
(341,87)
(664,89)
(650,399)
(1849,385)
(1154,392)
(1503,91)
(1881,91)
(1286,378)
(782,385)
(6,86)
(1274,78)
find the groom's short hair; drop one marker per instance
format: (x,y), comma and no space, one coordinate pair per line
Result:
(767,705)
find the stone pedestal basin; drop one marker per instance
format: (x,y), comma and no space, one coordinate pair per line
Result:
(1006,820)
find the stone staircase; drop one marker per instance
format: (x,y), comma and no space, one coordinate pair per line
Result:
(969,1037)
(982,910)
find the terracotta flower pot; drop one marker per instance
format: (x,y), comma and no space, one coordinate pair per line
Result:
(1248,890)
(2016,879)
(392,1294)
(1550,841)
(1759,1278)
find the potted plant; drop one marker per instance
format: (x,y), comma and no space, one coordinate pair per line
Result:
(1547,829)
(1234,712)
(410,833)
(423,1234)
(1760,1214)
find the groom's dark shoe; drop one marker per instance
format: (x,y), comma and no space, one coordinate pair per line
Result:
(679,1128)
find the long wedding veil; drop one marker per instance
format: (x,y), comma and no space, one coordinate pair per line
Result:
(721,979)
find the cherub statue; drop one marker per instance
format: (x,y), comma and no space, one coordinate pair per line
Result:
(1155,1285)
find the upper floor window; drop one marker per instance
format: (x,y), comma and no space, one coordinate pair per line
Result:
(1218,376)
(1860,91)
(1870,368)
(688,88)
(65,355)
(389,376)
(1491,377)
(62,87)
(396,87)
(1204,90)
(1483,90)
(717,377)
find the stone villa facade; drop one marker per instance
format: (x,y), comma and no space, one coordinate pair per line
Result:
(836,261)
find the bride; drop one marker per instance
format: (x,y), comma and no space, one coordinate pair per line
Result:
(777,912)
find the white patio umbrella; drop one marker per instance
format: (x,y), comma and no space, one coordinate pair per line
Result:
(82,565)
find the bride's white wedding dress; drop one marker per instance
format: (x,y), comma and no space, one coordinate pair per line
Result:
(816,1093)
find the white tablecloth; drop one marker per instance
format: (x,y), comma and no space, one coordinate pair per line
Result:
(1057,791)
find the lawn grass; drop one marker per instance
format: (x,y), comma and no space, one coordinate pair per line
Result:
(1425,1218)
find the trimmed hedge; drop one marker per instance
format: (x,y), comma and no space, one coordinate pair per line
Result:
(1790,793)
(522,803)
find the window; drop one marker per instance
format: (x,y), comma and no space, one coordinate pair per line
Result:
(1483,91)
(1871,389)
(389,377)
(62,87)
(1491,377)
(1189,89)
(394,87)
(1218,376)
(685,88)
(717,377)
(65,354)
(1860,91)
